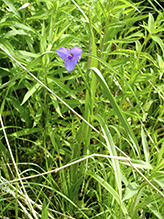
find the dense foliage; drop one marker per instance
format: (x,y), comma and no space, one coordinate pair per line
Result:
(89,143)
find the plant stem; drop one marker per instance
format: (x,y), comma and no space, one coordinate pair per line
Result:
(45,116)
(104,36)
(132,209)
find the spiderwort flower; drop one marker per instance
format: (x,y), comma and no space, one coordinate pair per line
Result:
(70,56)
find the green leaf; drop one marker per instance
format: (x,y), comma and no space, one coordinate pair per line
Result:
(130,4)
(160,154)
(31,92)
(112,152)
(159,178)
(41,14)
(160,166)
(27,131)
(12,7)
(110,190)
(80,9)
(22,111)
(15,24)
(117,109)
(131,190)
(155,210)
(142,164)
(44,210)
(4,150)
(145,146)
(62,86)
(159,41)
(151,23)
(56,105)
(38,116)
(16,32)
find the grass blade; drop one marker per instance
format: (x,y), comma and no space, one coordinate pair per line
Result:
(112,151)
(117,109)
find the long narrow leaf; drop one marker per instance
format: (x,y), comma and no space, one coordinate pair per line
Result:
(110,190)
(117,109)
(112,151)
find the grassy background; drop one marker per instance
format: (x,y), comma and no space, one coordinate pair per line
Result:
(117,87)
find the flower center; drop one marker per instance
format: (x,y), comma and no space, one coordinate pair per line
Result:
(70,57)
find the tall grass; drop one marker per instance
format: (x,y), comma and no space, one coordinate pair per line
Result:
(90,143)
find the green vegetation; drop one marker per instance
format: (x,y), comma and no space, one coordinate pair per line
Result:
(89,143)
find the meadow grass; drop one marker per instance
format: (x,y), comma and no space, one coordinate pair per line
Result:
(89,143)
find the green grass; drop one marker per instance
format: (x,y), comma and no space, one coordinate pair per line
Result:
(90,143)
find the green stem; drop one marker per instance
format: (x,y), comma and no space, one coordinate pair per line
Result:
(84,79)
(45,118)
(90,42)
(103,39)
(132,209)
(145,43)
(45,107)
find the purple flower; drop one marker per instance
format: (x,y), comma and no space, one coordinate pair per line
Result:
(70,56)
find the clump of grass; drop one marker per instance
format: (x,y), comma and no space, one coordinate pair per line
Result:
(85,144)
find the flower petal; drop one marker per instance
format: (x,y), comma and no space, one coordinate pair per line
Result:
(70,65)
(76,51)
(63,52)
